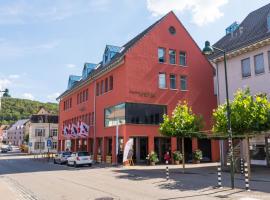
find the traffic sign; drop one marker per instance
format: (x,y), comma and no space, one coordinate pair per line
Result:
(49,143)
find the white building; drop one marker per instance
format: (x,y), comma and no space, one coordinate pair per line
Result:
(43,127)
(16,133)
(248,65)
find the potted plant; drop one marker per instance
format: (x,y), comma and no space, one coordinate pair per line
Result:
(153,158)
(197,156)
(177,157)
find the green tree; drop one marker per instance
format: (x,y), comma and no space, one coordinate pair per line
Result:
(249,115)
(183,123)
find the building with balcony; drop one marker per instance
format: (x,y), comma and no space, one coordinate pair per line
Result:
(126,94)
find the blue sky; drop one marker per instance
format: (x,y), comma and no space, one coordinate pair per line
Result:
(43,42)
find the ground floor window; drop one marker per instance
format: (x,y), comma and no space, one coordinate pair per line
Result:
(39,145)
(54,145)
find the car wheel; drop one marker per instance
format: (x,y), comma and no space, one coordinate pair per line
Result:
(90,165)
(54,161)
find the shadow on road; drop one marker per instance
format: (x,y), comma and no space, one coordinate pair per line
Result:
(197,179)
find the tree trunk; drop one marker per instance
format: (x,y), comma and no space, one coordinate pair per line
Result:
(183,152)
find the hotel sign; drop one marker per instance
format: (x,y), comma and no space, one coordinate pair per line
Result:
(143,94)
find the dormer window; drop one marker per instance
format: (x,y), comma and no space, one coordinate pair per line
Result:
(109,53)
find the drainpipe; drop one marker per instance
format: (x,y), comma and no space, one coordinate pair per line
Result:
(94,123)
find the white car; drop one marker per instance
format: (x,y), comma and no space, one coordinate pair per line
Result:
(80,158)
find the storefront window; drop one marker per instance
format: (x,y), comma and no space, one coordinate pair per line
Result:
(134,113)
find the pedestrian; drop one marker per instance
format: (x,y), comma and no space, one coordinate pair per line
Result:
(167,157)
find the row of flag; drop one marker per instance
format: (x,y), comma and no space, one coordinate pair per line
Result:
(81,129)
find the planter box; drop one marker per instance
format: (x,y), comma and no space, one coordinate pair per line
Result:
(99,158)
(109,159)
(177,162)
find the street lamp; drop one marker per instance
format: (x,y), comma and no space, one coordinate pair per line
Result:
(208,50)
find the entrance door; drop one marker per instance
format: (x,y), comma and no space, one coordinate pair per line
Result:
(205,146)
(143,148)
(188,149)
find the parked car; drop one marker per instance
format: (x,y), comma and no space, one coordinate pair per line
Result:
(80,158)
(4,150)
(9,148)
(61,158)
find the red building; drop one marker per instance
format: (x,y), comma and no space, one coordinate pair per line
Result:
(133,86)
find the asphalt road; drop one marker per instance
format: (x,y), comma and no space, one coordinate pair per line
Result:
(22,177)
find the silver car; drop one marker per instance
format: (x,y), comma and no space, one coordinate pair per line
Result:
(61,158)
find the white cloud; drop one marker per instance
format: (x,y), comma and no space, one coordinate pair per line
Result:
(202,11)
(14,76)
(28,96)
(52,97)
(4,83)
(71,66)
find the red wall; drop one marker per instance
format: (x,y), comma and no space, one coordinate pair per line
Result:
(139,73)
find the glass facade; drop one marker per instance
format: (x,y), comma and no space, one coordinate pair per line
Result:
(134,113)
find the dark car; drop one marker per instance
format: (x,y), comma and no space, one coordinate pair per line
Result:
(4,150)
(61,158)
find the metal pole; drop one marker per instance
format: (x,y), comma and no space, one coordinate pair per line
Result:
(219,177)
(229,123)
(167,170)
(116,142)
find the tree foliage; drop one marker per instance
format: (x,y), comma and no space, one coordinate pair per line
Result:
(182,123)
(14,109)
(249,114)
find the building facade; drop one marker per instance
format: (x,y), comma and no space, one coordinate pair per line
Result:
(126,94)
(248,66)
(42,127)
(16,132)
(3,133)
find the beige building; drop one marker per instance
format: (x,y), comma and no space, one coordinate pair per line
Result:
(43,127)
(248,65)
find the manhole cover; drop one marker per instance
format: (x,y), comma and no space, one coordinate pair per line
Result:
(104,198)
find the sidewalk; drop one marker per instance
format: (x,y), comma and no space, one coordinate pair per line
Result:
(6,191)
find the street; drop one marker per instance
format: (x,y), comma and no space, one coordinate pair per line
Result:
(22,177)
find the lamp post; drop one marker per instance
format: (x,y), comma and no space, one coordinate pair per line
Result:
(208,50)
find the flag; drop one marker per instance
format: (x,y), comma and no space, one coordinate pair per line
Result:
(83,129)
(74,130)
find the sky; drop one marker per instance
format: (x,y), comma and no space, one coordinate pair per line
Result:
(43,42)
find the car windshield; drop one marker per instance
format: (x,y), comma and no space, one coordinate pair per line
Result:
(83,154)
(66,153)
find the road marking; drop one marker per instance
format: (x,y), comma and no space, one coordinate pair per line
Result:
(19,190)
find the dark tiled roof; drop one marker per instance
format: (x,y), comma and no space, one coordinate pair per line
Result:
(254,29)
(117,56)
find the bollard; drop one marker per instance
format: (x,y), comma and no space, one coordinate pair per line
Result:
(219,177)
(242,165)
(167,171)
(246,177)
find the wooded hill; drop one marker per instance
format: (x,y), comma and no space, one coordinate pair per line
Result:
(14,109)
